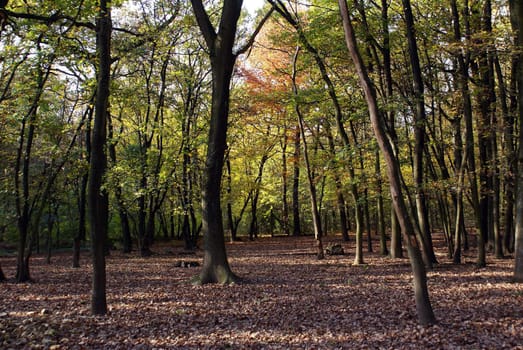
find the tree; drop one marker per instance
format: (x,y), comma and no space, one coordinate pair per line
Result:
(97,197)
(220,45)
(420,137)
(423,305)
(316,219)
(516,8)
(320,62)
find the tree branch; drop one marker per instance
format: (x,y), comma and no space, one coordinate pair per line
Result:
(204,23)
(249,43)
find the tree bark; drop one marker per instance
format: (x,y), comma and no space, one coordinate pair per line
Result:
(296,226)
(285,203)
(379,207)
(97,197)
(423,305)
(420,135)
(24,208)
(220,44)
(516,13)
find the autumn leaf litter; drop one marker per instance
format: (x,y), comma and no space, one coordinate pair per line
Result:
(287,300)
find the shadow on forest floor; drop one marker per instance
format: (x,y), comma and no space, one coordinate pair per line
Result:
(290,300)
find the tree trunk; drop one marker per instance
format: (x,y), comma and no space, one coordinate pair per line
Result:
(379,207)
(423,305)
(296,226)
(220,44)
(97,197)
(22,167)
(516,14)
(285,203)
(339,190)
(316,219)
(420,135)
(253,227)
(396,246)
(463,85)
(2,275)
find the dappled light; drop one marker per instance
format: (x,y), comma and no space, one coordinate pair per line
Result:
(289,299)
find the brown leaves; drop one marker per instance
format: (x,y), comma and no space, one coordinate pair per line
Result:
(289,300)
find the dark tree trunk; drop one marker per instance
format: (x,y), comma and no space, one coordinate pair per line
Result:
(379,208)
(396,246)
(82,205)
(516,14)
(97,198)
(22,167)
(230,217)
(511,156)
(463,84)
(420,135)
(285,203)
(253,227)
(220,45)
(296,226)
(423,305)
(2,275)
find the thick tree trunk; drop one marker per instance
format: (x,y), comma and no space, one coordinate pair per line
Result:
(97,198)
(423,305)
(396,245)
(216,266)
(220,44)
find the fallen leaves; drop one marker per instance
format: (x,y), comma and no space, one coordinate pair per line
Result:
(289,300)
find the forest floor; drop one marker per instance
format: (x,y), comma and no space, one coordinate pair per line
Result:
(289,300)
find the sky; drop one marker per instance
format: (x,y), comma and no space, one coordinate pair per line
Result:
(252,5)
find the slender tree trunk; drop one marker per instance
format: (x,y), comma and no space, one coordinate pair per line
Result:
(339,190)
(122,211)
(22,167)
(508,129)
(423,305)
(296,226)
(510,161)
(285,203)
(253,227)
(312,188)
(396,249)
(379,207)
(97,197)
(420,136)
(516,13)
(463,84)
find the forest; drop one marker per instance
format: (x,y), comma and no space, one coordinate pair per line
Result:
(312,174)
